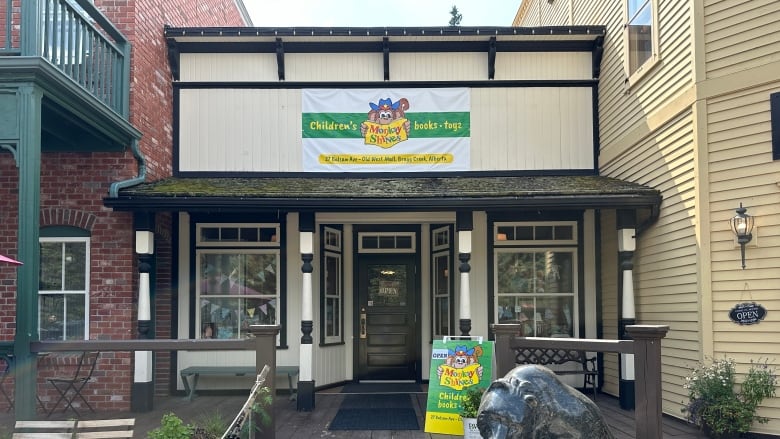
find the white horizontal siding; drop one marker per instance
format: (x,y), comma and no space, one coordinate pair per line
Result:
(228,67)
(404,66)
(259,130)
(333,67)
(544,65)
(240,130)
(421,66)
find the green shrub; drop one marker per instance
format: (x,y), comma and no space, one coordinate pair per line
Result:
(172,427)
(469,403)
(714,403)
(210,425)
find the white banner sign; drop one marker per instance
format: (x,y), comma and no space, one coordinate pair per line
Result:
(386,130)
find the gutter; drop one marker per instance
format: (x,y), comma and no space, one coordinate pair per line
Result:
(113,191)
(655,213)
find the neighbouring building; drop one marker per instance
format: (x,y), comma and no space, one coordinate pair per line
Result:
(86,108)
(689,104)
(373,189)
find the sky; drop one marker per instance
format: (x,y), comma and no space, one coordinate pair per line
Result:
(393,13)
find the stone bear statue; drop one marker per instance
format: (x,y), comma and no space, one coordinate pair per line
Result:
(531,402)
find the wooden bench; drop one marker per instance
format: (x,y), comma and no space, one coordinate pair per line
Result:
(75,429)
(545,357)
(196,371)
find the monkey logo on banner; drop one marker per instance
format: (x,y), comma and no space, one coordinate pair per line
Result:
(387,124)
(456,366)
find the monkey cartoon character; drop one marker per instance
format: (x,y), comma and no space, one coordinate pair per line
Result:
(460,358)
(384,113)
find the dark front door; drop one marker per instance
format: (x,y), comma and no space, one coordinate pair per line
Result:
(386,317)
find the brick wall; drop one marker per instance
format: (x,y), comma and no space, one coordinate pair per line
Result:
(73,186)
(151,111)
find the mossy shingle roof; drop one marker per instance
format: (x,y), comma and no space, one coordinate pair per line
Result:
(385,193)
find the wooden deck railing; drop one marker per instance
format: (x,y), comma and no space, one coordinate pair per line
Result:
(645,345)
(75,37)
(263,342)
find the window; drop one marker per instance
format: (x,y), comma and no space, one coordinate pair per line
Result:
(63,288)
(236,287)
(641,36)
(386,242)
(332,291)
(536,285)
(441,288)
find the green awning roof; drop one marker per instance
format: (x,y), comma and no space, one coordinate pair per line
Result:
(385,193)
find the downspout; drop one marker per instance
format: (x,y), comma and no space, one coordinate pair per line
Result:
(655,213)
(113,191)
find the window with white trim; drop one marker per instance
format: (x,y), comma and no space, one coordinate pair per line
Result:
(63,288)
(237,278)
(535,277)
(332,308)
(441,288)
(641,36)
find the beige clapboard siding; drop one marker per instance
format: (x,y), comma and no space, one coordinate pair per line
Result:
(740,35)
(622,108)
(554,13)
(609,299)
(741,170)
(222,130)
(665,267)
(544,13)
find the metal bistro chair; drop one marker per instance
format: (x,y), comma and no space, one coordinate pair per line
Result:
(70,388)
(5,372)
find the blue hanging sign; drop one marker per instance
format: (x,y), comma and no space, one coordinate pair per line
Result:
(747,313)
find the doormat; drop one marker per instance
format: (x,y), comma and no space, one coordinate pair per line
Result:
(387,388)
(375,412)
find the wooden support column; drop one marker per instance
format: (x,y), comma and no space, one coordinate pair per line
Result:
(626,228)
(265,354)
(306,381)
(464,224)
(142,399)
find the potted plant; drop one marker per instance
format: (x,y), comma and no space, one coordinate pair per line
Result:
(715,405)
(469,407)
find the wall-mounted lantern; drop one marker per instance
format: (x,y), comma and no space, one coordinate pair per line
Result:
(742,226)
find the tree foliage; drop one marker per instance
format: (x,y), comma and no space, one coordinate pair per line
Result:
(456,16)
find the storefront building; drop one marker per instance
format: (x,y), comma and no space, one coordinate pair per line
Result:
(373,189)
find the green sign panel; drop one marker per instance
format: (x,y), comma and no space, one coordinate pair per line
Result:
(456,366)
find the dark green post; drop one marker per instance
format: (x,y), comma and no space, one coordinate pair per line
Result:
(29,153)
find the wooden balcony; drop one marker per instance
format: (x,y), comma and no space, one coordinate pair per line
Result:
(78,62)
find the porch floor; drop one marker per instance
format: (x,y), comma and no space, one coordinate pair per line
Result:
(293,424)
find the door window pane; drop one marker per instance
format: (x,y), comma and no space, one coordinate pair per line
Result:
(387,285)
